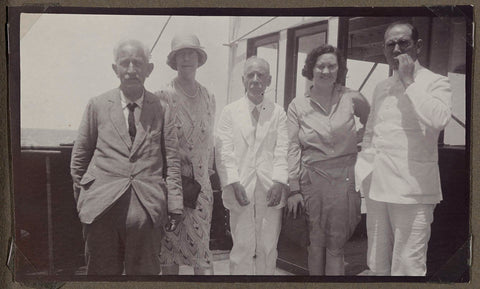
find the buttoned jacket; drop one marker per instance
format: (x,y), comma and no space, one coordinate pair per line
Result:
(105,162)
(253,156)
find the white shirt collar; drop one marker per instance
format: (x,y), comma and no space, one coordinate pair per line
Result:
(126,101)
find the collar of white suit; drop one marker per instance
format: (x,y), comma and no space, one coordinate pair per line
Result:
(252,105)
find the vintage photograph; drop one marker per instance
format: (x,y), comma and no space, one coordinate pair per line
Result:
(308,145)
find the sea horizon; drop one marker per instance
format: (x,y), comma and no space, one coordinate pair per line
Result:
(46,137)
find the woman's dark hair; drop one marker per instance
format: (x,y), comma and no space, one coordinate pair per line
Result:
(312,57)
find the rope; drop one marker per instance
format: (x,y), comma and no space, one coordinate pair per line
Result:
(159,35)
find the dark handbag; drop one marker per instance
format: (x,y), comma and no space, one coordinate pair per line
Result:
(191,190)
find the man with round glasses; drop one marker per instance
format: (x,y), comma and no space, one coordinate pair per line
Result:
(397,168)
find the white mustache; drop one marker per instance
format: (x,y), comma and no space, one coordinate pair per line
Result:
(127,76)
(259,85)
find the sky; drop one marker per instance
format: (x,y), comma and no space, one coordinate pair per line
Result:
(67,59)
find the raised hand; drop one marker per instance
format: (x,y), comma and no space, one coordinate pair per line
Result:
(406,67)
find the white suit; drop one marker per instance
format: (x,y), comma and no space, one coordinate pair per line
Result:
(398,170)
(255,156)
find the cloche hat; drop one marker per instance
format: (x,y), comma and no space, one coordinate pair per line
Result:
(181,41)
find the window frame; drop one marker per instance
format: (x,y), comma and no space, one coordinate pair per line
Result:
(254,43)
(293,36)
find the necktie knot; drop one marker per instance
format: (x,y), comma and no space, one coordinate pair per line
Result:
(131,106)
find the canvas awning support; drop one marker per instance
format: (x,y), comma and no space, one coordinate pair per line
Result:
(251,31)
(160,34)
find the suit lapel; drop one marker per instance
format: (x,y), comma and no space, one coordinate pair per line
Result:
(146,118)
(245,122)
(118,119)
(264,122)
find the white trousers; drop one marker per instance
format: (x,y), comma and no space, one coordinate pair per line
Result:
(398,236)
(255,230)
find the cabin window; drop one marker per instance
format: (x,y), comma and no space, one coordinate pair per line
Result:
(301,41)
(363,48)
(306,44)
(266,47)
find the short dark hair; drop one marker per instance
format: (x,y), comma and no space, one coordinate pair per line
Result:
(414,29)
(312,57)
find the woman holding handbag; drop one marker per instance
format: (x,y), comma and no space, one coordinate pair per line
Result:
(193,108)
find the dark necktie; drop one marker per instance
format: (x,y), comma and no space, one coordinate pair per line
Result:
(132,130)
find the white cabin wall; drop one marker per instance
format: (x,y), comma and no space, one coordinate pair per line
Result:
(332,35)
(237,58)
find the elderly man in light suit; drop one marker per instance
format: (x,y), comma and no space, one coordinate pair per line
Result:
(251,147)
(398,165)
(117,171)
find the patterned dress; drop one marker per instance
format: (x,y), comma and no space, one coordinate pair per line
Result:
(194,119)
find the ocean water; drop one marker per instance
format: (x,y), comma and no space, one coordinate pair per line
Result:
(46,137)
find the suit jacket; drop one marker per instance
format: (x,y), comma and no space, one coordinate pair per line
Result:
(105,162)
(254,160)
(400,143)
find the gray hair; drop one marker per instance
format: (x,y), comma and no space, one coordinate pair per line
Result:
(254,58)
(134,42)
